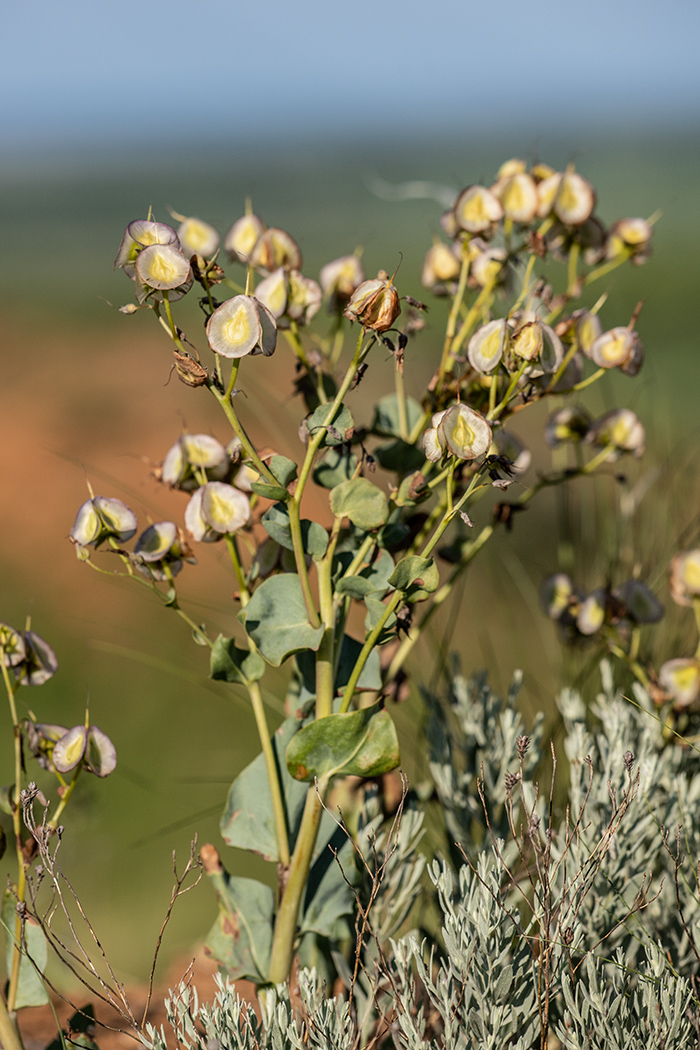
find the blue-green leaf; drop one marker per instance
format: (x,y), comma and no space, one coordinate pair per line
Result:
(276,619)
(230,664)
(358,743)
(30,989)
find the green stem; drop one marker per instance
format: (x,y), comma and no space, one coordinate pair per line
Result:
(325,660)
(11,688)
(401,403)
(283,941)
(240,433)
(9,1033)
(439,598)
(454,314)
(317,437)
(471,318)
(171,323)
(300,560)
(272,772)
(261,722)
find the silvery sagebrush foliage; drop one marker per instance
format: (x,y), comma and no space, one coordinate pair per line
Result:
(576,940)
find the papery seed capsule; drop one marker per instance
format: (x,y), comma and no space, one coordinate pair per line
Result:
(591,614)
(684,577)
(196,236)
(224,508)
(519,198)
(588,329)
(275,248)
(375,304)
(511,167)
(40,662)
(340,278)
(273,291)
(242,238)
(477,209)
(528,341)
(100,518)
(304,300)
(12,642)
(487,346)
(631,236)
(574,200)
(163,266)
(680,678)
(100,753)
(241,326)
(69,750)
(620,429)
(567,424)
(155,543)
(555,594)
(641,604)
(466,433)
(613,348)
(440,266)
(138,235)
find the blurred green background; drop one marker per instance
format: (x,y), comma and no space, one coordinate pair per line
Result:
(87,395)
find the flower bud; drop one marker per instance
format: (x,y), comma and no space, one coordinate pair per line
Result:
(241,326)
(242,238)
(477,210)
(684,581)
(375,304)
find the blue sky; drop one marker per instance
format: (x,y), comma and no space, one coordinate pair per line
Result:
(81,70)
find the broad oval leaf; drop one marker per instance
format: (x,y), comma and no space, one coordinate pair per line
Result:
(363,503)
(30,989)
(387,418)
(248,821)
(230,664)
(276,524)
(276,619)
(241,938)
(358,743)
(340,428)
(413,576)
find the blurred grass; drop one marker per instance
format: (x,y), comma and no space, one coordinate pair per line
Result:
(86,393)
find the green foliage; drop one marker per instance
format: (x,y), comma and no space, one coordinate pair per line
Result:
(314,536)
(362,502)
(31,989)
(568,923)
(359,743)
(277,621)
(248,821)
